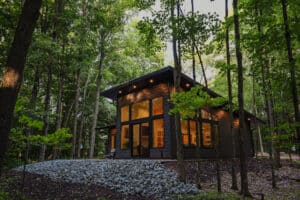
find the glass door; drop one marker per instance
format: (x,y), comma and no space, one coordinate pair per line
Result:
(140,140)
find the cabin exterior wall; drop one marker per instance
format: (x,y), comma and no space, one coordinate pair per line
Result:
(169,149)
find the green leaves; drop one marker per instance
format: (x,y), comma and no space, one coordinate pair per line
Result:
(186,103)
(58,140)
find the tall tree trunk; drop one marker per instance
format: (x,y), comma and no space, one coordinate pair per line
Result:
(177,77)
(266,90)
(193,47)
(292,65)
(83,116)
(78,74)
(13,72)
(46,117)
(96,107)
(202,66)
(242,130)
(229,88)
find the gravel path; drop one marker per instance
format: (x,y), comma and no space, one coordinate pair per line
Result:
(147,178)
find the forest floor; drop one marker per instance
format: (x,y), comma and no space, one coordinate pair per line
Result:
(259,175)
(42,187)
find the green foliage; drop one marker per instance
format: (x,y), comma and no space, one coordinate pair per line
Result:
(4,195)
(185,103)
(58,140)
(283,136)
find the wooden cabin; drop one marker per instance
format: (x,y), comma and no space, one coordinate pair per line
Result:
(145,129)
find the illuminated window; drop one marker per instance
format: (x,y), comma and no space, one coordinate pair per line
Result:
(185,132)
(140,110)
(125,137)
(216,133)
(157,106)
(205,114)
(113,134)
(215,117)
(124,113)
(206,135)
(193,132)
(158,133)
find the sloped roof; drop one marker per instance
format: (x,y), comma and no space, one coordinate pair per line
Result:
(164,75)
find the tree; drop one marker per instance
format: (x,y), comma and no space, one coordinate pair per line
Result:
(292,66)
(229,89)
(13,72)
(241,135)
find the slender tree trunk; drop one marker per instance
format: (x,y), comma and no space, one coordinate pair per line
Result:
(96,107)
(68,115)
(242,130)
(13,72)
(291,65)
(193,47)
(83,116)
(46,117)
(76,107)
(177,78)
(202,66)
(229,88)
(266,90)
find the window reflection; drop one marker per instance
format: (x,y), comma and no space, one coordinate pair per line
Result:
(206,135)
(125,137)
(193,132)
(185,132)
(157,106)
(140,110)
(113,134)
(124,113)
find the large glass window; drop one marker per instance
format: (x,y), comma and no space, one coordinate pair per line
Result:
(125,137)
(113,134)
(185,132)
(124,113)
(158,133)
(157,106)
(206,135)
(140,110)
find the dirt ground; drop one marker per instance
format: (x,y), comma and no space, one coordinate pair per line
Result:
(259,175)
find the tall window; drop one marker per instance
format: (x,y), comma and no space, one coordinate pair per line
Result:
(124,136)
(113,134)
(189,132)
(124,113)
(157,106)
(193,132)
(206,135)
(140,110)
(158,133)
(185,132)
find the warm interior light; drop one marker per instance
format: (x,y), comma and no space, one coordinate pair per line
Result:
(236,123)
(187,85)
(10,78)
(134,86)
(151,81)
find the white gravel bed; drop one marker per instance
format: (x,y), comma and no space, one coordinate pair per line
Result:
(148,178)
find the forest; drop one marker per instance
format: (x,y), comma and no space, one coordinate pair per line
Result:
(59,56)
